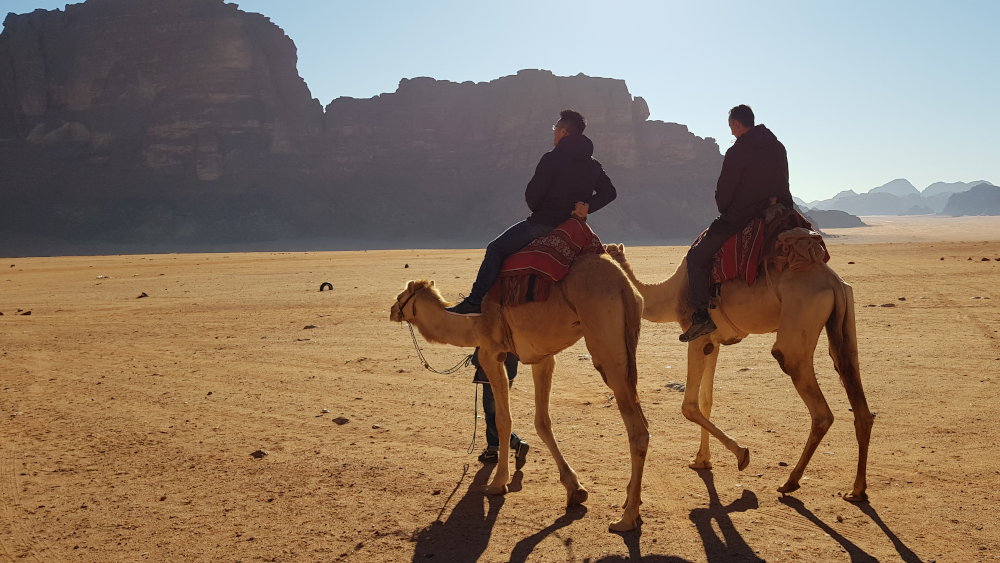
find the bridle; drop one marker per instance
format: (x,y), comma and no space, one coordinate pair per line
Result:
(404,304)
(464,362)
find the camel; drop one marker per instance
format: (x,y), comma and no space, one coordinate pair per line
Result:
(594,301)
(796,305)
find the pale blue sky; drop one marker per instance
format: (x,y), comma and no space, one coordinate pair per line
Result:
(860,92)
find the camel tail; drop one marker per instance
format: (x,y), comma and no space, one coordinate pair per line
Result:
(633,322)
(842,334)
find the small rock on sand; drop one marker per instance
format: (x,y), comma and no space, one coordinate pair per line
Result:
(341,420)
(259,454)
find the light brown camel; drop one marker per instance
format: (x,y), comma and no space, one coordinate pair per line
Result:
(595,301)
(796,305)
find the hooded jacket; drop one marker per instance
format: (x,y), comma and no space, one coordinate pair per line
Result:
(565,175)
(754,170)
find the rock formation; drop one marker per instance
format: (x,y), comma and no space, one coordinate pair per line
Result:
(134,125)
(983,199)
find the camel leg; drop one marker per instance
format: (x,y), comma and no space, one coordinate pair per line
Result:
(492,364)
(611,333)
(841,333)
(794,351)
(541,372)
(703,459)
(613,367)
(638,440)
(699,352)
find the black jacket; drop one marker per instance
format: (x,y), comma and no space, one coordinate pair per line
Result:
(565,175)
(755,169)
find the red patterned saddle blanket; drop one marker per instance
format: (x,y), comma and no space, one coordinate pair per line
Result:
(529,274)
(743,255)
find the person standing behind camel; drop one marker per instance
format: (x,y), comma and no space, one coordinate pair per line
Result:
(568,181)
(517,445)
(754,171)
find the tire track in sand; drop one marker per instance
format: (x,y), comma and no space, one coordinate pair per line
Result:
(16,539)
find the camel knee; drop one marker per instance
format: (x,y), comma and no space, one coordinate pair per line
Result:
(543,425)
(691,411)
(822,423)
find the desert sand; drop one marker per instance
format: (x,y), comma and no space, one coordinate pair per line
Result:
(127,423)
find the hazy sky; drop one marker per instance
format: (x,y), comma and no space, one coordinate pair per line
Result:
(860,92)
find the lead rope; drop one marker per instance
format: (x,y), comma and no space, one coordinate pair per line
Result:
(465,362)
(475,418)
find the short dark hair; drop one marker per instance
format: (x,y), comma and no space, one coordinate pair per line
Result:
(743,114)
(571,121)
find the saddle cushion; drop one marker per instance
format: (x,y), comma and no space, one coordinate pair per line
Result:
(785,239)
(528,274)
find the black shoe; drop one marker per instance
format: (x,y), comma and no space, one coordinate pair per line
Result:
(702,325)
(521,455)
(489,455)
(466,307)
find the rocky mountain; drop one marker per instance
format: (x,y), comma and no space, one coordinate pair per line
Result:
(983,199)
(143,125)
(898,197)
(833,219)
(898,187)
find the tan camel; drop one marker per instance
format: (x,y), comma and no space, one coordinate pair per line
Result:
(594,301)
(796,305)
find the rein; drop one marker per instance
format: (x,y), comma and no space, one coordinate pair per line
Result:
(463,363)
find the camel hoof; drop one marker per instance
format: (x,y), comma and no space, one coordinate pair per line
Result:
(788,487)
(495,490)
(623,526)
(744,459)
(700,464)
(578,496)
(857,498)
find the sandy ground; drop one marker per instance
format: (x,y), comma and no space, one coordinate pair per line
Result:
(127,424)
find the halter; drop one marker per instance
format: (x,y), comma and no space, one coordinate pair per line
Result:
(405,302)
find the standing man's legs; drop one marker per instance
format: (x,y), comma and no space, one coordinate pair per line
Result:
(519,446)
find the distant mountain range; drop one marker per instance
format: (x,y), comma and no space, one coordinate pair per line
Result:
(900,197)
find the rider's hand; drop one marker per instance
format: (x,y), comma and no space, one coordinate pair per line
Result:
(581,210)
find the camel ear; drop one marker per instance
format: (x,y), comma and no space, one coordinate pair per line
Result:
(432,283)
(621,248)
(409,285)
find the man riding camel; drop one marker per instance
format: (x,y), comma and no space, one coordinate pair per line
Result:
(568,181)
(754,172)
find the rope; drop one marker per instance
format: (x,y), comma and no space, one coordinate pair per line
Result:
(475,419)
(463,363)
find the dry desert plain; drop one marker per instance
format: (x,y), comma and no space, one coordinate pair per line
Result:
(127,424)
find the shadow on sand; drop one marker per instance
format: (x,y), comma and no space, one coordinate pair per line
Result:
(731,546)
(466,533)
(855,552)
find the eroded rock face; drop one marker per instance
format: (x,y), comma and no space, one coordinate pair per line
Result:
(185,124)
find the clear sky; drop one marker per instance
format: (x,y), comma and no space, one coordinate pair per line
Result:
(860,92)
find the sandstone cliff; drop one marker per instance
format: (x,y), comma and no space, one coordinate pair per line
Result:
(183,125)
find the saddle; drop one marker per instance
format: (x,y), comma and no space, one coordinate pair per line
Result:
(782,237)
(529,274)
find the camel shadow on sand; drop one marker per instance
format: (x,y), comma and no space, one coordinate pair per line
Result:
(852,549)
(465,534)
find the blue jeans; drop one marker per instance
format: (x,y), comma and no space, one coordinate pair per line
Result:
(489,405)
(516,237)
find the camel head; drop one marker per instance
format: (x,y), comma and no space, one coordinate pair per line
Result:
(405,299)
(617,252)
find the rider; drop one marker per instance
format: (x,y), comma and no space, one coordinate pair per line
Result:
(567,181)
(754,171)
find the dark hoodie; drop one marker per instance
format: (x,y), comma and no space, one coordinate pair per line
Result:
(755,169)
(565,175)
